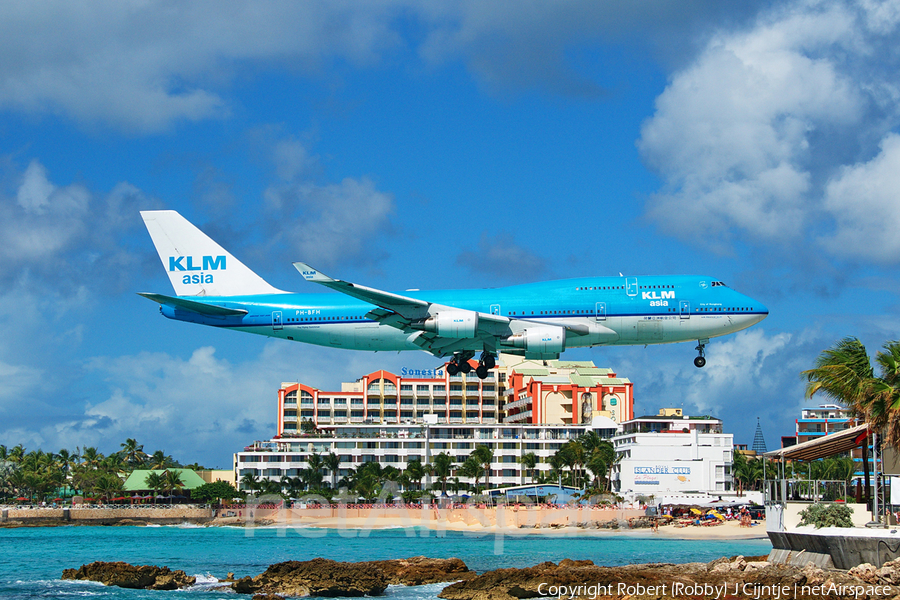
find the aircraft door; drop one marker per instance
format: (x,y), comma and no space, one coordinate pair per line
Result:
(276,320)
(684,307)
(631,286)
(495,309)
(600,311)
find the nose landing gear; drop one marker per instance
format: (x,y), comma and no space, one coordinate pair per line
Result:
(700,361)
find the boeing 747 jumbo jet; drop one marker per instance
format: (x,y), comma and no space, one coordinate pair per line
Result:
(536,320)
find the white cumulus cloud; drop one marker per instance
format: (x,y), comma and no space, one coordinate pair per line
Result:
(759,139)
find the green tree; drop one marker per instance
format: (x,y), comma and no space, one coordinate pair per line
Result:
(133,453)
(161,461)
(443,467)
(215,491)
(529,462)
(154,481)
(108,486)
(415,472)
(471,468)
(844,372)
(484,456)
(172,480)
(313,474)
(332,462)
(249,482)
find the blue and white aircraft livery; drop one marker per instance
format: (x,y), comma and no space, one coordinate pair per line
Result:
(536,320)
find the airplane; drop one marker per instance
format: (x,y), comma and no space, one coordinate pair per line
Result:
(534,320)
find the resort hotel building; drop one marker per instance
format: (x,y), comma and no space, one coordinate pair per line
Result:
(521,407)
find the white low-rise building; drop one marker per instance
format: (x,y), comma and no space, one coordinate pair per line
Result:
(673,454)
(398,445)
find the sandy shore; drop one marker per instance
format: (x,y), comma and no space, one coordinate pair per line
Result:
(486,526)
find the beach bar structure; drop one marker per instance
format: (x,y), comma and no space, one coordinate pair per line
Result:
(869,541)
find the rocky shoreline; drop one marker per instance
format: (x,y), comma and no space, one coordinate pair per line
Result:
(722,579)
(316,577)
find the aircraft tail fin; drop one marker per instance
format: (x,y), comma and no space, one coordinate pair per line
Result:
(197,265)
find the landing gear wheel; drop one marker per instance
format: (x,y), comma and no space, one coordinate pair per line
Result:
(700,361)
(488,361)
(452,369)
(481,371)
(465,367)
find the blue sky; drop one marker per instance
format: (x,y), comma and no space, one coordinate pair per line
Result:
(433,145)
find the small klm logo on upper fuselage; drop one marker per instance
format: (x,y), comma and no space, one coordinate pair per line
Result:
(207,263)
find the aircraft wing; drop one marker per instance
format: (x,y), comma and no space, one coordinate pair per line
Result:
(404,306)
(402,312)
(209,310)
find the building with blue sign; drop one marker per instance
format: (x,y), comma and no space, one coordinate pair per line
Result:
(673,454)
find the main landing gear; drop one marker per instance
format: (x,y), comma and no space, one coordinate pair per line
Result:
(700,361)
(460,364)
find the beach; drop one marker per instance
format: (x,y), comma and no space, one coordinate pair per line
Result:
(533,520)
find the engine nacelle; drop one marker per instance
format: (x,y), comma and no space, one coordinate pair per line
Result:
(542,340)
(453,323)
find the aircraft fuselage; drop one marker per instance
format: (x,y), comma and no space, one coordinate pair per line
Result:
(639,310)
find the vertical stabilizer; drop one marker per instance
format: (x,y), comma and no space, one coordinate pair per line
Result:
(198,266)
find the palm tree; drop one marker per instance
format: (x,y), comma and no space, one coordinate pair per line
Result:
(160,461)
(107,485)
(269,487)
(250,482)
(172,480)
(443,466)
(314,472)
(484,456)
(90,457)
(154,481)
(472,467)
(529,463)
(332,462)
(133,452)
(844,372)
(596,464)
(415,472)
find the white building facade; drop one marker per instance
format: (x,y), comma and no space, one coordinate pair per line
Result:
(671,454)
(398,445)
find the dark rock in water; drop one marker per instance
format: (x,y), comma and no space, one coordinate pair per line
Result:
(420,570)
(322,577)
(122,574)
(722,578)
(267,597)
(317,577)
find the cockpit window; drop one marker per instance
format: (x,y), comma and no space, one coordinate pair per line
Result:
(718,284)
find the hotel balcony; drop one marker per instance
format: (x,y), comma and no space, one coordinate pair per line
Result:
(517,404)
(516,418)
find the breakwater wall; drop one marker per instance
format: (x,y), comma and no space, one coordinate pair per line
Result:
(167,515)
(835,547)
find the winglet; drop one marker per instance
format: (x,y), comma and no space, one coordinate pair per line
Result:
(311,274)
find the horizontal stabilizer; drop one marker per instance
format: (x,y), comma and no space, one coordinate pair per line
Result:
(202,308)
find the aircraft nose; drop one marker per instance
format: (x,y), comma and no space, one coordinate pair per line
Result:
(760,309)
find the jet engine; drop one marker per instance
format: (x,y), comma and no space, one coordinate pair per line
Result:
(452,323)
(541,340)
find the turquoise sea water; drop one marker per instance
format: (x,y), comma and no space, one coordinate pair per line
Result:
(33,558)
